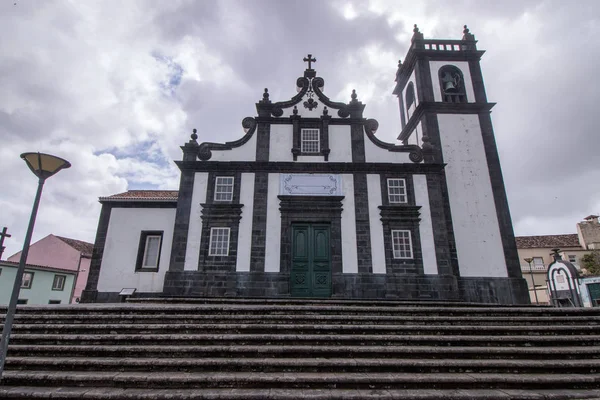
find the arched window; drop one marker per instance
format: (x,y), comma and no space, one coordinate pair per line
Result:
(411,105)
(452,85)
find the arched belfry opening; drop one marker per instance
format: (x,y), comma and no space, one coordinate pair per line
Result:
(452,85)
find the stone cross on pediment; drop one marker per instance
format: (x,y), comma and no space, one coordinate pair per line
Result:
(310,60)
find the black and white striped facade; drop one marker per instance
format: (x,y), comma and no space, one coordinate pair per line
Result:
(425,219)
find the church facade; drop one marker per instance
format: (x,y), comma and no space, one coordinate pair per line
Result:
(310,203)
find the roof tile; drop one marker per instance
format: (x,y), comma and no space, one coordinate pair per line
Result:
(548,241)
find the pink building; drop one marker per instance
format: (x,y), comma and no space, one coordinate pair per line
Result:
(63,253)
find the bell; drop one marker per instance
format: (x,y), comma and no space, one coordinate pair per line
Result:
(449,86)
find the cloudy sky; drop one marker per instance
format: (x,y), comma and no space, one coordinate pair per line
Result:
(117,86)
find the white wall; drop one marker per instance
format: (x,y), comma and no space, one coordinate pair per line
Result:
(349,251)
(340,143)
(377,154)
(246,152)
(121,249)
(273,245)
(478,241)
(192,253)
(282,141)
(464,68)
(245,229)
(377,245)
(425,226)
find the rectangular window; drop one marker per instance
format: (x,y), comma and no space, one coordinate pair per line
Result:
(148,257)
(27,280)
(397,190)
(573,258)
(402,245)
(59,282)
(22,301)
(219,242)
(53,301)
(224,188)
(309,141)
(538,263)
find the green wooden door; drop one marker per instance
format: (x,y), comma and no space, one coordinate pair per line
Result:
(311,261)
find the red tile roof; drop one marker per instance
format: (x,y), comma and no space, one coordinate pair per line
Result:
(548,241)
(84,247)
(143,195)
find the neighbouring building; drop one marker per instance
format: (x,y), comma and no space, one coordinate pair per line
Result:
(310,202)
(540,249)
(40,284)
(64,254)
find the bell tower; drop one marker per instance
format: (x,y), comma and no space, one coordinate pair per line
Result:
(444,109)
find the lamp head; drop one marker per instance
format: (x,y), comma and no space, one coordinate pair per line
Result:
(44,165)
(528,260)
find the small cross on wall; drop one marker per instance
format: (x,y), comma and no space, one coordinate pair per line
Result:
(310,60)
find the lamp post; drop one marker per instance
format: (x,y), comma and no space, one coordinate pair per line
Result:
(43,166)
(528,261)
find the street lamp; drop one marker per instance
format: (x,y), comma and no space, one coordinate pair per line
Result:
(528,261)
(43,166)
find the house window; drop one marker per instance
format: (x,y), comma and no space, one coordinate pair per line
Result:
(53,301)
(572,258)
(219,242)
(402,245)
(396,190)
(27,280)
(538,263)
(309,141)
(224,188)
(59,282)
(149,251)
(22,301)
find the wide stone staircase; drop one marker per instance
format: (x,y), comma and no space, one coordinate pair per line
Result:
(301,349)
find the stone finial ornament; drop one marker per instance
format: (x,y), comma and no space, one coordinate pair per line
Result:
(416,34)
(265,98)
(194,135)
(467,35)
(416,29)
(295,110)
(325,111)
(354,97)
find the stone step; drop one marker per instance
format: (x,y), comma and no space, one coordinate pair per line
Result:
(107,318)
(307,339)
(300,365)
(274,309)
(337,329)
(263,380)
(298,351)
(64,393)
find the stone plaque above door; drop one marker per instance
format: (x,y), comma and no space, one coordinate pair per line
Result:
(310,185)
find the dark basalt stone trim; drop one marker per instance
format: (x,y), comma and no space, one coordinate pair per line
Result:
(410,189)
(477,81)
(441,214)
(415,152)
(204,150)
(357,139)
(321,167)
(219,215)
(500,199)
(263,142)
(425,108)
(363,224)
(182,220)
(322,124)
(405,218)
(289,120)
(91,288)
(265,107)
(494,290)
(259,222)
(342,108)
(316,209)
(415,55)
(142,249)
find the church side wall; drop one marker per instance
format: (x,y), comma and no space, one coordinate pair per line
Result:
(478,241)
(195,227)
(464,68)
(349,251)
(273,245)
(245,229)
(425,226)
(377,243)
(121,249)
